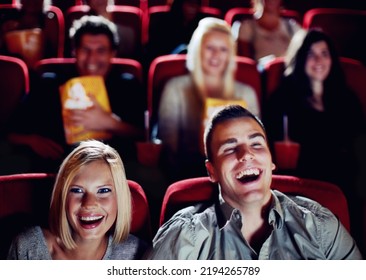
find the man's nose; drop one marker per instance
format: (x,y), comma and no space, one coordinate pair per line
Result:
(245,154)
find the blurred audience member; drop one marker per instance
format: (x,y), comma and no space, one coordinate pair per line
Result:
(187,101)
(41,125)
(267,35)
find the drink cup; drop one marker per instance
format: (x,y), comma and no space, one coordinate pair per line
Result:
(148,153)
(286,154)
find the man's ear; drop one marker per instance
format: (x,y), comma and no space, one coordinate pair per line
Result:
(273,166)
(210,171)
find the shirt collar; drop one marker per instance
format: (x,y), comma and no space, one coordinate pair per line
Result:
(229,213)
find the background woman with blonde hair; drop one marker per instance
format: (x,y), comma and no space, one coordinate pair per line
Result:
(184,101)
(90,211)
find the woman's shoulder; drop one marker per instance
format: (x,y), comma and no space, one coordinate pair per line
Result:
(30,244)
(31,234)
(132,248)
(179,83)
(243,87)
(179,80)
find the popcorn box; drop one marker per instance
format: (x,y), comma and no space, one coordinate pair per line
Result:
(75,95)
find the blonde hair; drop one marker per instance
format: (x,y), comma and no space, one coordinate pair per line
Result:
(87,152)
(194,61)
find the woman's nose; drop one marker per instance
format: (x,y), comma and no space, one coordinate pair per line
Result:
(89,201)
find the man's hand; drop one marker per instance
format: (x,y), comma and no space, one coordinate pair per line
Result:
(93,118)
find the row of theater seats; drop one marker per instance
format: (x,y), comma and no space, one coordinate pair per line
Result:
(343,25)
(224,5)
(25,198)
(14,77)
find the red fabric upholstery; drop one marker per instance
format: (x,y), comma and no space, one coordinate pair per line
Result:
(247,73)
(14,84)
(161,70)
(355,73)
(272,76)
(189,191)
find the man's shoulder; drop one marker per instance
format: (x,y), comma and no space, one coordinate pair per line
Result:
(300,205)
(190,219)
(194,212)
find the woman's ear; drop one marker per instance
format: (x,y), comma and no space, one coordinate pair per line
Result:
(210,171)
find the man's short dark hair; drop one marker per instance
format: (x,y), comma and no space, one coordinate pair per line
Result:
(227,113)
(94,25)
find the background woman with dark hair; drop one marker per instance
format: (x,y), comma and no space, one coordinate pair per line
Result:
(318,102)
(324,115)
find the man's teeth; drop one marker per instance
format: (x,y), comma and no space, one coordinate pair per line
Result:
(248,172)
(92,218)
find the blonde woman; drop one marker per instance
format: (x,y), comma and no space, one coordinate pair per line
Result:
(211,64)
(90,211)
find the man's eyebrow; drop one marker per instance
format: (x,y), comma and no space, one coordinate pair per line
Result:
(257,134)
(234,140)
(228,141)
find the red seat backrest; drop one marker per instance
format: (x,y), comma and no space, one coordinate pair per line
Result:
(14,85)
(161,70)
(190,191)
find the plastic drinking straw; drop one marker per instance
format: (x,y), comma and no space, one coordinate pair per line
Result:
(147,125)
(285,128)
